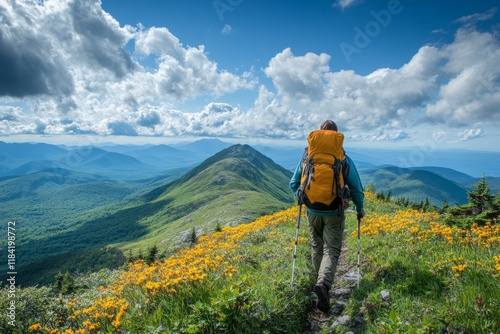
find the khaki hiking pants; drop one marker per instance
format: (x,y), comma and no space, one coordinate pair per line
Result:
(326,245)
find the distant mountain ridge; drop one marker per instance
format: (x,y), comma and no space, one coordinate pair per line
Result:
(206,147)
(415,184)
(232,187)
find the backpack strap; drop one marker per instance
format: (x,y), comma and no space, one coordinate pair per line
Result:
(305,171)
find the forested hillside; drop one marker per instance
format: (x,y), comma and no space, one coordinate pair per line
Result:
(89,214)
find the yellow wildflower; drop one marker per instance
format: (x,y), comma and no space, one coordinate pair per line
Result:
(35,327)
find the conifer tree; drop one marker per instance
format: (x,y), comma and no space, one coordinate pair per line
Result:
(65,283)
(59,282)
(482,207)
(445,207)
(130,257)
(192,236)
(426,205)
(153,251)
(68,284)
(370,188)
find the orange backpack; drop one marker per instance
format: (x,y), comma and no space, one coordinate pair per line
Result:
(324,169)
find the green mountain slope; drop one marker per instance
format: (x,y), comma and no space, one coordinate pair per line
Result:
(232,187)
(415,185)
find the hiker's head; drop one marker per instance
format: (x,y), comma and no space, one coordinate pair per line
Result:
(329,125)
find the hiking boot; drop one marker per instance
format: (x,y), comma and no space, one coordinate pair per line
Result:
(321,290)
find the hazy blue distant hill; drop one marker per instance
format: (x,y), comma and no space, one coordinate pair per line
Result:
(415,185)
(473,163)
(287,157)
(30,151)
(99,158)
(20,159)
(35,166)
(166,157)
(462,179)
(122,148)
(204,147)
(13,155)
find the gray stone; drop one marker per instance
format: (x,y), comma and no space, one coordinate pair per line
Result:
(386,296)
(343,320)
(338,309)
(342,293)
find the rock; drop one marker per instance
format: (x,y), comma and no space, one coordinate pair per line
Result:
(386,296)
(315,327)
(343,320)
(342,293)
(338,309)
(358,321)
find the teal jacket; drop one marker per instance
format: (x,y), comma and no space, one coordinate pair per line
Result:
(353,181)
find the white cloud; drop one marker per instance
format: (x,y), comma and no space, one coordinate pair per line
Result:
(379,136)
(75,67)
(477,17)
(194,75)
(471,73)
(298,78)
(384,98)
(470,134)
(79,78)
(456,84)
(159,41)
(10,114)
(343,4)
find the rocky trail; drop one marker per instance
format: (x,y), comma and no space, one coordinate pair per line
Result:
(345,283)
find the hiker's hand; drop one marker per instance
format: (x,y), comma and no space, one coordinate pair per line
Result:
(360,214)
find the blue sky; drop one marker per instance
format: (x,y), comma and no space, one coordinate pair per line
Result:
(390,73)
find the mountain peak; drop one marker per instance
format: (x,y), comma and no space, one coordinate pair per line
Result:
(244,152)
(247,157)
(239,151)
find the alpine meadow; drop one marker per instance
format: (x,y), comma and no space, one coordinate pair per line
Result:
(249,167)
(206,246)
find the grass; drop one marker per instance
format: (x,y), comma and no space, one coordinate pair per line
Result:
(440,280)
(221,284)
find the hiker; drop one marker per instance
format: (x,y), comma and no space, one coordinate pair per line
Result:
(326,221)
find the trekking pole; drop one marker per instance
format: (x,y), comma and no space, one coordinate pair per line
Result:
(359,246)
(296,243)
